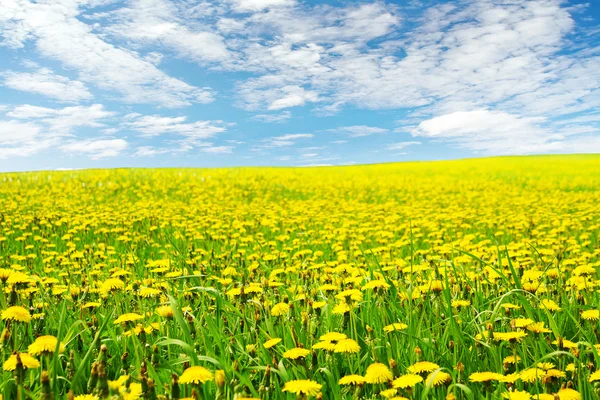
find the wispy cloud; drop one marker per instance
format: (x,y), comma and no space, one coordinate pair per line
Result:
(59,35)
(273,118)
(95,148)
(47,83)
(482,77)
(359,130)
(401,145)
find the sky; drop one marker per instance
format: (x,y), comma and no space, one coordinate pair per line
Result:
(215,83)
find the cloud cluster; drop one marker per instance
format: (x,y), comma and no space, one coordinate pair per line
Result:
(27,130)
(58,34)
(488,76)
(47,83)
(498,132)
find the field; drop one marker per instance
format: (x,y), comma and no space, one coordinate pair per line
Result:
(473,279)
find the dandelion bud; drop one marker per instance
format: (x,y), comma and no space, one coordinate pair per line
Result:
(5,335)
(175,391)
(151,393)
(124,363)
(46,390)
(102,385)
(93,378)
(220,378)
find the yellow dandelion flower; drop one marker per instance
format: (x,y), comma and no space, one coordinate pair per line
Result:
(555,373)
(568,394)
(19,278)
(510,336)
(302,387)
(341,309)
(16,313)
(318,304)
(271,342)
(378,373)
(196,375)
(129,317)
(461,303)
(26,360)
(437,378)
(550,305)
(346,346)
(594,377)
(280,309)
(333,337)
(296,353)
(388,393)
(422,366)
(543,396)
(352,380)
(134,392)
(406,381)
(511,359)
(510,378)
(150,292)
(91,304)
(45,345)
(517,395)
(113,284)
(532,374)
(522,322)
(165,311)
(591,315)
(397,326)
(485,376)
(538,327)
(329,346)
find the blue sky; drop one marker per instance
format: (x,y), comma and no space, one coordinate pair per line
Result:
(193,83)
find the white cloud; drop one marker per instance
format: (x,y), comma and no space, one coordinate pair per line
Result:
(497,132)
(154,125)
(273,118)
(96,148)
(32,130)
(184,136)
(285,140)
(401,145)
(360,130)
(259,5)
(465,56)
(59,35)
(62,120)
(292,96)
(294,136)
(157,22)
(149,151)
(23,139)
(47,83)
(217,149)
(16,132)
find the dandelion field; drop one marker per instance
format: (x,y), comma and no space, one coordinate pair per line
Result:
(472,279)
